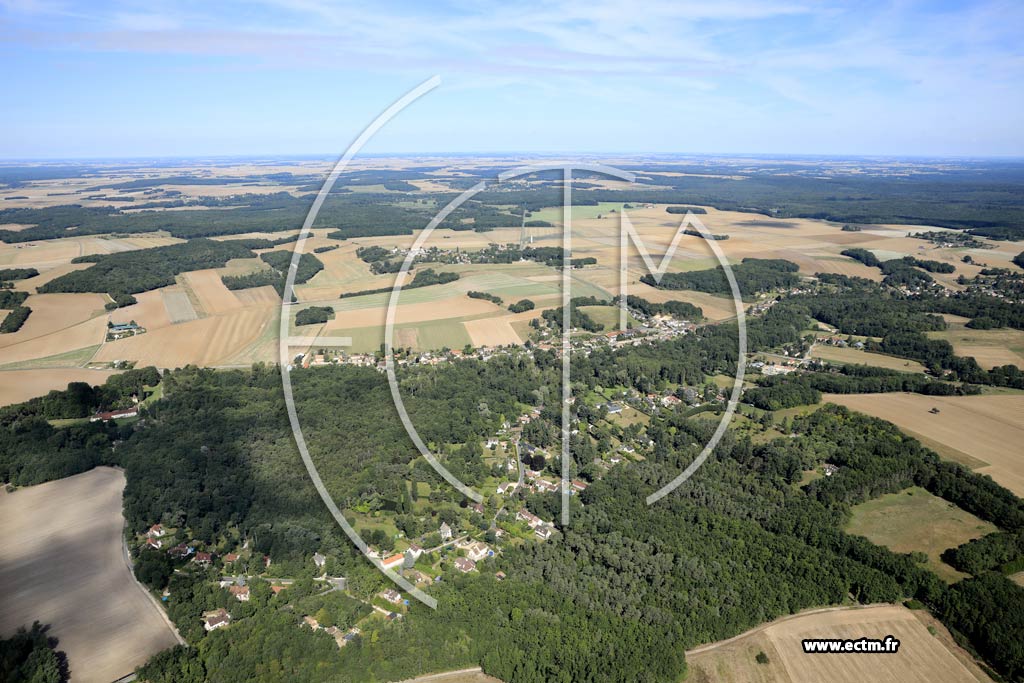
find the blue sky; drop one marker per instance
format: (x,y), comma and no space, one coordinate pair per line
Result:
(179,78)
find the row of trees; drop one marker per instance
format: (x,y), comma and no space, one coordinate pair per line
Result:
(753,276)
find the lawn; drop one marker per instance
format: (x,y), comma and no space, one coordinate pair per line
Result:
(848,356)
(915,520)
(608,316)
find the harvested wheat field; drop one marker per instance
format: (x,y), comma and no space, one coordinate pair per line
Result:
(17,386)
(209,289)
(921,657)
(59,324)
(46,254)
(982,432)
(30,284)
(208,341)
(492,331)
(150,312)
(62,563)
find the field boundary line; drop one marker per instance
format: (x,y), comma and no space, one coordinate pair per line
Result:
(152,600)
(441,674)
(789,617)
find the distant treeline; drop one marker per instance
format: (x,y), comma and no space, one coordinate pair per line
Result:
(314,315)
(989,202)
(131,272)
(485,296)
(900,271)
(7,274)
(522,306)
(710,236)
(13,321)
(677,309)
(786,391)
(255,243)
(422,278)
(276,275)
(10,298)
(753,276)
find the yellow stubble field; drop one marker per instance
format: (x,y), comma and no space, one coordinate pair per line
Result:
(921,657)
(979,431)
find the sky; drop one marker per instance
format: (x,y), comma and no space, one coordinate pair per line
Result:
(118,79)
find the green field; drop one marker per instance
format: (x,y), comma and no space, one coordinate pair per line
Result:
(848,356)
(607,316)
(915,520)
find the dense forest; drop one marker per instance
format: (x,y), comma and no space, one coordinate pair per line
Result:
(627,589)
(131,272)
(678,309)
(753,276)
(8,274)
(314,315)
(276,275)
(14,319)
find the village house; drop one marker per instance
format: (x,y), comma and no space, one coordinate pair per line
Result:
(277,589)
(477,508)
(445,531)
(319,560)
(154,543)
(579,486)
(180,551)
(114,415)
(230,557)
(393,562)
(543,532)
(391,595)
(156,531)
(203,559)
(532,520)
(830,469)
(478,551)
(311,622)
(241,593)
(545,486)
(464,564)
(215,619)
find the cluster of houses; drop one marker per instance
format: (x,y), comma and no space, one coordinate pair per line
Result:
(541,529)
(840,342)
